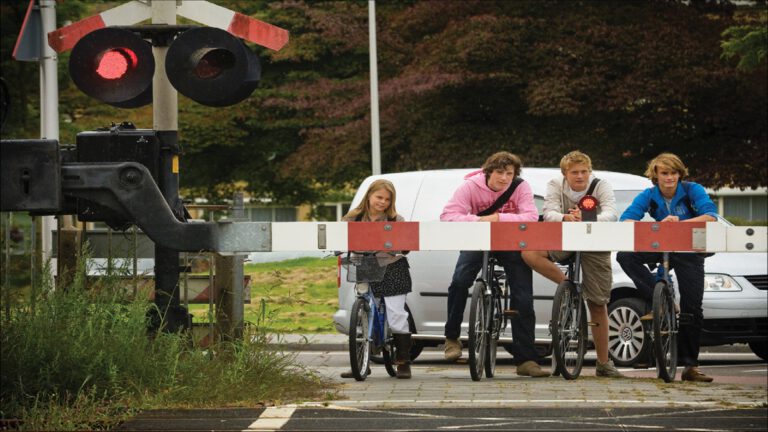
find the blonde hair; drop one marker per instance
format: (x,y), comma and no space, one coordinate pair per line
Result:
(502,160)
(364,207)
(574,158)
(668,160)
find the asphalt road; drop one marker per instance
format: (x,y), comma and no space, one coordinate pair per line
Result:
(442,396)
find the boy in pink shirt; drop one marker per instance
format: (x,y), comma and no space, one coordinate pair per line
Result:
(474,201)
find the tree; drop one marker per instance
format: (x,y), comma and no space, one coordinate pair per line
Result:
(622,81)
(748,39)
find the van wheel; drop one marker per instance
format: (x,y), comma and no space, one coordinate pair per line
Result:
(760,348)
(627,341)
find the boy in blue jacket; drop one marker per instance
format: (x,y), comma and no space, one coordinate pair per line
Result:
(673,200)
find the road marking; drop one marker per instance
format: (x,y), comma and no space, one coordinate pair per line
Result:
(487,422)
(272,418)
(387,403)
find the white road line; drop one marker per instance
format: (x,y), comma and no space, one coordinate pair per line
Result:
(444,403)
(272,419)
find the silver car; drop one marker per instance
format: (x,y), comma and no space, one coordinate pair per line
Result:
(735,297)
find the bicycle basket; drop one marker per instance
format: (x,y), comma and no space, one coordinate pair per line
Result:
(363,268)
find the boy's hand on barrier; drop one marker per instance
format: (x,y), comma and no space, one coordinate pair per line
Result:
(490,218)
(573,215)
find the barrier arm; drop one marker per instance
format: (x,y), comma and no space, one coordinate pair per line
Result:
(514,236)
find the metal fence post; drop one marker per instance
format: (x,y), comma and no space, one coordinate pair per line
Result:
(230,309)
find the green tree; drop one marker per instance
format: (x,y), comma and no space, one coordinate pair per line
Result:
(749,43)
(460,79)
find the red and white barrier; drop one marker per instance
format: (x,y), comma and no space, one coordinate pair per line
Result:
(455,236)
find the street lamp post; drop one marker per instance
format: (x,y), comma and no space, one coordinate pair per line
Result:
(375,144)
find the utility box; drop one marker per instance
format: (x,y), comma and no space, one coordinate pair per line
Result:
(120,143)
(30,176)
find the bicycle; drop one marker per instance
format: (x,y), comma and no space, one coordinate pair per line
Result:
(487,318)
(368,327)
(568,326)
(665,324)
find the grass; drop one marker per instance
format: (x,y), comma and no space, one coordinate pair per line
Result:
(744,222)
(82,359)
(296,296)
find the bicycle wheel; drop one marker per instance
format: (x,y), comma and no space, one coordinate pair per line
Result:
(478,331)
(569,330)
(359,343)
(495,316)
(664,332)
(388,351)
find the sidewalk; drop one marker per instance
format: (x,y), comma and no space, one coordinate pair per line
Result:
(312,342)
(438,383)
(339,342)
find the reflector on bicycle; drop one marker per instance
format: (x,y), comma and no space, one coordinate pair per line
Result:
(588,206)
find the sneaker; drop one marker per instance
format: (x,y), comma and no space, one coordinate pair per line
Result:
(348,374)
(531,369)
(607,370)
(692,373)
(452,349)
(404,371)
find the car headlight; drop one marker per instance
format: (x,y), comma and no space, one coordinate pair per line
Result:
(720,282)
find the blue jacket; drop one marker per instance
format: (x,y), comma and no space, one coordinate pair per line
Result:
(699,200)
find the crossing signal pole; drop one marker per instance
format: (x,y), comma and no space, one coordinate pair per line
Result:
(210,65)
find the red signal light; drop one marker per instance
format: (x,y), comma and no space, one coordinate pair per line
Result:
(213,62)
(115,63)
(212,67)
(115,66)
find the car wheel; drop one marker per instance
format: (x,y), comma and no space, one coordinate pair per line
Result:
(760,348)
(627,341)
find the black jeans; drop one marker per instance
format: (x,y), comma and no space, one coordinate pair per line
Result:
(689,268)
(520,281)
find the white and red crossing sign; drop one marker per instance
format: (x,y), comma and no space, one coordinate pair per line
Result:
(204,12)
(499,236)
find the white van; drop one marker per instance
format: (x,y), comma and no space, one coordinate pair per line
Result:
(736,288)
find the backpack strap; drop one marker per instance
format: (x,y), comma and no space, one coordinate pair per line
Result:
(687,200)
(652,207)
(502,199)
(593,185)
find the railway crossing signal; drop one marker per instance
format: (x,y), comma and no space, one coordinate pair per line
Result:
(206,64)
(210,65)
